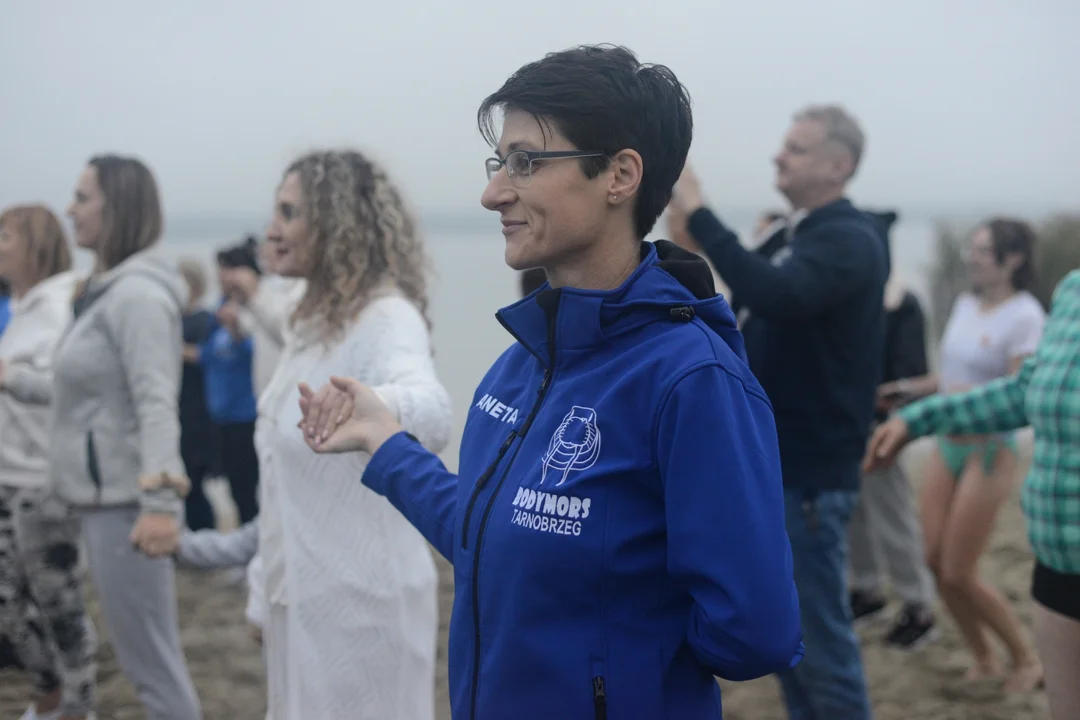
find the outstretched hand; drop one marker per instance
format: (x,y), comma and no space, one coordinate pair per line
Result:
(344,416)
(885,444)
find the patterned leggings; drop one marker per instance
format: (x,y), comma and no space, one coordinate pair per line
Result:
(41,601)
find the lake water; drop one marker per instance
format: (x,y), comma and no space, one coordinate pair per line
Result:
(472,282)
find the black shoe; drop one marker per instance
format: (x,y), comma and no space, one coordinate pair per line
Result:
(864,605)
(913,628)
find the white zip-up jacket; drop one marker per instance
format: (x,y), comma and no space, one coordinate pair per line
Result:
(38,320)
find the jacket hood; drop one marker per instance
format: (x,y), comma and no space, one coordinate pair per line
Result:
(152,264)
(670,285)
(59,286)
(883,221)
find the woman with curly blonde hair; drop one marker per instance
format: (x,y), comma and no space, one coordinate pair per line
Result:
(350,584)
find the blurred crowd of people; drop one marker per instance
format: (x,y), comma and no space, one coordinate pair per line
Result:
(684,466)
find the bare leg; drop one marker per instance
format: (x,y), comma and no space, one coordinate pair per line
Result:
(1058,638)
(937,498)
(971,522)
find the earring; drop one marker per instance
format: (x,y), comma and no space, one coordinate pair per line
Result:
(614,197)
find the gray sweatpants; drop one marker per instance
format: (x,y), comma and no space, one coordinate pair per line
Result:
(885,533)
(138,604)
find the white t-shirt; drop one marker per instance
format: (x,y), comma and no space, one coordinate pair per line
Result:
(978,345)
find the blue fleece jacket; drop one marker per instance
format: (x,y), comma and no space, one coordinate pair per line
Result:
(617,526)
(226,363)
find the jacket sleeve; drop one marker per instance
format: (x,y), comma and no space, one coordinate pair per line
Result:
(719,461)
(997,406)
(31,381)
(215,549)
(410,388)
(29,384)
(416,482)
(818,275)
(146,327)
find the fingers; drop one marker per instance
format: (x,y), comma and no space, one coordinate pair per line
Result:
(888,444)
(322,410)
(870,460)
(882,448)
(335,415)
(306,396)
(345,385)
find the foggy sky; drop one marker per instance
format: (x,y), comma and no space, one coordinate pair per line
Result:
(965,103)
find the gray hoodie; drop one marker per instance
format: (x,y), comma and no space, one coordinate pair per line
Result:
(116,431)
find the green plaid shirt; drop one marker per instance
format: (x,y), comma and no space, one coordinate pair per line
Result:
(1046,395)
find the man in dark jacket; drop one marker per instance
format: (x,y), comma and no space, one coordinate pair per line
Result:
(814,328)
(885,532)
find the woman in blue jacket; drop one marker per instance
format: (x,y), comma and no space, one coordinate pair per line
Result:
(617,523)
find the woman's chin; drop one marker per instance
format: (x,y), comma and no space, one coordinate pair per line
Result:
(517,258)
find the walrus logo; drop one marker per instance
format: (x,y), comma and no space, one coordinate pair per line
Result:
(575,444)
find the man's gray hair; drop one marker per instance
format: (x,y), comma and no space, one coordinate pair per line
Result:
(840,127)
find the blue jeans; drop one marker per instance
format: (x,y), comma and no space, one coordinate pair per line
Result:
(829,683)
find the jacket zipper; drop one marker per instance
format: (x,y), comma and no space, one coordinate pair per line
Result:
(92,464)
(480,483)
(541,393)
(490,471)
(599,696)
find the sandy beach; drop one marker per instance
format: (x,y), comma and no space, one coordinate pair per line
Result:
(927,684)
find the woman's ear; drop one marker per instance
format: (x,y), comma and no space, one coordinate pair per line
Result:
(626,170)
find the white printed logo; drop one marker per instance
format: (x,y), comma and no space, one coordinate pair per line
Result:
(575,444)
(497,410)
(549,513)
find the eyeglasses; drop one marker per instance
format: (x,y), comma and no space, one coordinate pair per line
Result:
(519,163)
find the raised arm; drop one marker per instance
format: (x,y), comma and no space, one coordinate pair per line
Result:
(148,333)
(819,273)
(720,464)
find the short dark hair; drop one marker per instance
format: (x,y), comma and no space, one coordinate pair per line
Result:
(603,100)
(1015,237)
(244,255)
(531,280)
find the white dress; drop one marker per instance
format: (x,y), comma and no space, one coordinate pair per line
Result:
(351,585)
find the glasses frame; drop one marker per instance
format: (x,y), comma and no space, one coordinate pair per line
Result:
(494,164)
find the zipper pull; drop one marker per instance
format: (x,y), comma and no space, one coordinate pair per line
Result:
(498,458)
(599,698)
